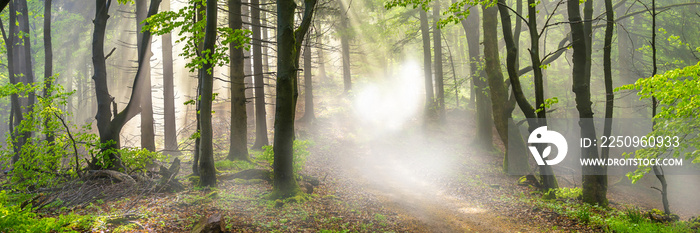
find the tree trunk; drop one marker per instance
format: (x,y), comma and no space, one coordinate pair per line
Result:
(658,171)
(238,149)
(308,84)
(427,67)
(549,181)
(499,93)
(439,82)
(484,124)
(23,70)
(321,61)
(516,159)
(146,101)
(197,141)
(288,47)
(207,171)
(107,127)
(345,31)
(261,138)
(593,185)
(607,70)
(14,101)
(48,64)
(170,128)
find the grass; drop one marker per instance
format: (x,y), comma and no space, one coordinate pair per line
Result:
(605,219)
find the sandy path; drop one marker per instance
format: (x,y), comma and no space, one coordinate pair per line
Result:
(404,170)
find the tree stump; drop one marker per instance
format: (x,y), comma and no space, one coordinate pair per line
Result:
(212,224)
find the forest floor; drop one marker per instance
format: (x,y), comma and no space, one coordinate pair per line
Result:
(405,180)
(372,179)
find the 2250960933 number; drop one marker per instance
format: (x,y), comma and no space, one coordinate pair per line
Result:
(637,141)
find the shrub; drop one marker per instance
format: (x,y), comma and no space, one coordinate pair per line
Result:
(136,159)
(301,153)
(16,219)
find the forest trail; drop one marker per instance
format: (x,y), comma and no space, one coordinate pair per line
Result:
(408,171)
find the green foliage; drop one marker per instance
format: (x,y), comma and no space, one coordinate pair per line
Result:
(547,104)
(191,32)
(607,219)
(569,193)
(16,219)
(39,162)
(136,159)
(677,93)
(301,153)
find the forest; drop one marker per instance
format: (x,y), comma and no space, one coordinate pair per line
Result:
(349,116)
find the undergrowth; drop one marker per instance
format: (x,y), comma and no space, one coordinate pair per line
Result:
(604,218)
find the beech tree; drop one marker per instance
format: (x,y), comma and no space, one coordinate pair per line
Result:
(238,149)
(109,128)
(289,42)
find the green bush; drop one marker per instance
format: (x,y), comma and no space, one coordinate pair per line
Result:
(569,193)
(16,219)
(138,160)
(301,153)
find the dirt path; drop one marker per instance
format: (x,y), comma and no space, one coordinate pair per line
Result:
(410,173)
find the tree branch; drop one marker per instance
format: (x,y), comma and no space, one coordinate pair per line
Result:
(110,53)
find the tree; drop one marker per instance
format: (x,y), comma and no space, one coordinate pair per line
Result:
(427,66)
(48,63)
(238,149)
(483,110)
(497,86)
(607,70)
(207,171)
(146,101)
(308,83)
(345,31)
(593,185)
(289,41)
(22,70)
(108,127)
(260,113)
(437,41)
(170,129)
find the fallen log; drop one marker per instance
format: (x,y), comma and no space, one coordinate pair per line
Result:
(111,174)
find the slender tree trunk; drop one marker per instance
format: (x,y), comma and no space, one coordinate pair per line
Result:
(345,31)
(658,171)
(48,64)
(593,186)
(427,67)
(170,128)
(288,46)
(607,70)
(549,181)
(261,138)
(238,149)
(516,160)
(14,99)
(198,104)
(207,171)
(439,82)
(321,61)
(146,100)
(23,70)
(308,83)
